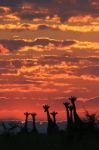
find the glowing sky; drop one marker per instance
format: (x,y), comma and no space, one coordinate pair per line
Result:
(49,50)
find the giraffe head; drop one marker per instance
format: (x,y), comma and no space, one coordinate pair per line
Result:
(66,104)
(26,114)
(54,113)
(33,114)
(46,107)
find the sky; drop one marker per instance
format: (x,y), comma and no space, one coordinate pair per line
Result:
(49,51)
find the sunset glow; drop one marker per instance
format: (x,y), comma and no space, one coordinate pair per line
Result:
(49,51)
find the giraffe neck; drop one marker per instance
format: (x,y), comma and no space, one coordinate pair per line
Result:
(26,122)
(34,125)
(67,111)
(54,119)
(74,108)
(71,115)
(48,116)
(34,121)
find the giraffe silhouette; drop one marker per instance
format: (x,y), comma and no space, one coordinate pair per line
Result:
(51,126)
(66,104)
(25,128)
(34,130)
(54,119)
(76,117)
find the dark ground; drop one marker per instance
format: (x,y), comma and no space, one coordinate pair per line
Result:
(61,141)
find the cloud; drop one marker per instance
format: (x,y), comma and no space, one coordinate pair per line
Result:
(17,26)
(45,27)
(3,49)
(4,9)
(93,103)
(40,9)
(87,104)
(88,70)
(13,45)
(46,41)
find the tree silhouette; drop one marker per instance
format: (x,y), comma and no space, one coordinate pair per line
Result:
(91,121)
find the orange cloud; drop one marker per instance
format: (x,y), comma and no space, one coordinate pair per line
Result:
(36,26)
(5,9)
(17,25)
(78,28)
(90,78)
(83,19)
(54,19)
(86,45)
(68,48)
(80,19)
(11,17)
(3,50)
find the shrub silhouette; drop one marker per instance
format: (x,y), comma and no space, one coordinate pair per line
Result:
(91,121)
